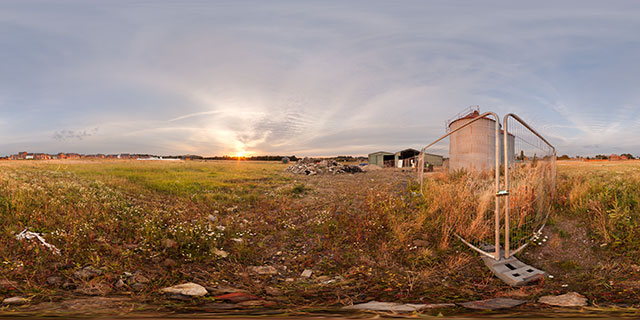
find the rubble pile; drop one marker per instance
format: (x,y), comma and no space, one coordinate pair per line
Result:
(312,167)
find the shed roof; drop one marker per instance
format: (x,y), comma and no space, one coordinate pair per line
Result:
(408,149)
(381,152)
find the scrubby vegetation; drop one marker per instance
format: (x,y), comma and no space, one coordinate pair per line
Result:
(365,236)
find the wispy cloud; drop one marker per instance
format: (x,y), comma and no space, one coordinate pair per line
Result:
(63,135)
(311,78)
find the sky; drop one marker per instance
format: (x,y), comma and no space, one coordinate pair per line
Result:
(312,78)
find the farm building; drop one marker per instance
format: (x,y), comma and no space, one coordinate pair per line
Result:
(473,147)
(434,159)
(380,158)
(615,157)
(407,158)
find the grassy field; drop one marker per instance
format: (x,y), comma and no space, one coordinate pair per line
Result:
(365,236)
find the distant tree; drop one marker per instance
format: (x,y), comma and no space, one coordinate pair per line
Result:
(628,155)
(601,157)
(564,157)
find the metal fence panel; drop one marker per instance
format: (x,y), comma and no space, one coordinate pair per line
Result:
(461,188)
(530,179)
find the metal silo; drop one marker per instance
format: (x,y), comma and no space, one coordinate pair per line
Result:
(473,147)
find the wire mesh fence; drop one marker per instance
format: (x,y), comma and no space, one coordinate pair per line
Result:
(530,179)
(459,178)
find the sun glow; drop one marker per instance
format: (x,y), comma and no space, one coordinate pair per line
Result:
(241,154)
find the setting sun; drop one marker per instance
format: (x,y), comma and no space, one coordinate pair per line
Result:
(241,154)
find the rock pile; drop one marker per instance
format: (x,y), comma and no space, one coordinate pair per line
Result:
(312,167)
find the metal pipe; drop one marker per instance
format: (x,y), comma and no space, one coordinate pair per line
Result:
(530,129)
(506,186)
(497,184)
(475,248)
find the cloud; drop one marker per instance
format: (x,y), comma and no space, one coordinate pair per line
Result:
(63,135)
(314,78)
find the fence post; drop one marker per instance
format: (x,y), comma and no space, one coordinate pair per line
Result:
(505,149)
(497,186)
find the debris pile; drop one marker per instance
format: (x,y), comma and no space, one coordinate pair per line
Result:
(28,235)
(311,167)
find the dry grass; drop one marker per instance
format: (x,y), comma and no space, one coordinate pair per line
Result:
(459,203)
(374,230)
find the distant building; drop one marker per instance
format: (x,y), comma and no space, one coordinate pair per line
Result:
(382,159)
(407,158)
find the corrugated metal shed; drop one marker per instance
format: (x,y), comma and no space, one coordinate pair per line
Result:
(433,159)
(378,158)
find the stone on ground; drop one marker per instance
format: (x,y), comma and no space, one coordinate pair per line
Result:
(93,289)
(396,307)
(138,278)
(87,273)
(252,303)
(273,291)
(571,299)
(263,270)
(307,273)
(220,253)
(187,289)
(119,284)
(15,300)
(490,304)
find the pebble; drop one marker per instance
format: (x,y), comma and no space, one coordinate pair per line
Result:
(220,253)
(263,270)
(273,291)
(87,273)
(491,304)
(15,300)
(68,286)
(119,284)
(187,289)
(95,289)
(396,307)
(307,273)
(571,299)
(252,303)
(138,278)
